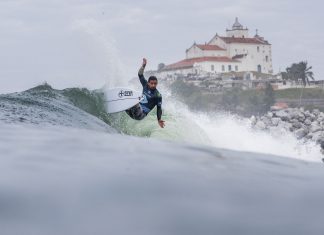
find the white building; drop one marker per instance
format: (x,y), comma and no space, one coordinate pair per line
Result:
(237,52)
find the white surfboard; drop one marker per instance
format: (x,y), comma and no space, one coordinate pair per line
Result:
(120,99)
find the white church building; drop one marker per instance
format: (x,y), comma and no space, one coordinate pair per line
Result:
(235,52)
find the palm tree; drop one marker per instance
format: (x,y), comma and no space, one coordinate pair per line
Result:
(293,72)
(305,72)
(297,72)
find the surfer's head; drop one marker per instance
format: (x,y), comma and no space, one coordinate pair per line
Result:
(152,82)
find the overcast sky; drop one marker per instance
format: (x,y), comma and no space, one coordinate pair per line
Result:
(89,43)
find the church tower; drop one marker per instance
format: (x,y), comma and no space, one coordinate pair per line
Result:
(237,31)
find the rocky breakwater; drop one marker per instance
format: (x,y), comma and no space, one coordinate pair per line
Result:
(306,125)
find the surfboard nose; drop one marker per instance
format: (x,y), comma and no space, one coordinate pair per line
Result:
(120,99)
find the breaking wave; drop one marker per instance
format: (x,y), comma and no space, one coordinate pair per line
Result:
(81,108)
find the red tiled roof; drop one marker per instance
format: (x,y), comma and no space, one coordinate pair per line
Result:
(188,63)
(207,47)
(244,40)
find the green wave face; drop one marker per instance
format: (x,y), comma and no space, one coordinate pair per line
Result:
(178,127)
(44,105)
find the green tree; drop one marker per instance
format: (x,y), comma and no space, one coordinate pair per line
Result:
(269,97)
(299,72)
(305,72)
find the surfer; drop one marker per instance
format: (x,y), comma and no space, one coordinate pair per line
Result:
(151,98)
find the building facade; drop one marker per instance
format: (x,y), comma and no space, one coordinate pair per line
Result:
(235,52)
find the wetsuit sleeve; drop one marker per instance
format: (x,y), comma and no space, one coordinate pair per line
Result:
(141,76)
(159,108)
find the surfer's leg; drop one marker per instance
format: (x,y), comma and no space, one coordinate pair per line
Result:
(130,113)
(136,112)
(139,114)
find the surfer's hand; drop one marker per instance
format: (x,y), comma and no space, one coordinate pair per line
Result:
(144,62)
(161,123)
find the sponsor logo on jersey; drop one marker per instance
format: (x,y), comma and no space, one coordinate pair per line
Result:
(144,99)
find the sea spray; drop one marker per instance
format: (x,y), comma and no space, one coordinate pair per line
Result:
(217,129)
(100,35)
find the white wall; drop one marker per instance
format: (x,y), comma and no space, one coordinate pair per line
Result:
(254,57)
(238,33)
(195,52)
(219,42)
(207,66)
(214,53)
(171,73)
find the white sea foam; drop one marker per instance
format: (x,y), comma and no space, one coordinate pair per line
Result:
(224,130)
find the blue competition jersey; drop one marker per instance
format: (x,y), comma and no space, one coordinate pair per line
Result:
(151,98)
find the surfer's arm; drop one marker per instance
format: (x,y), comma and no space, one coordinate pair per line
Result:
(159,108)
(141,74)
(159,115)
(159,111)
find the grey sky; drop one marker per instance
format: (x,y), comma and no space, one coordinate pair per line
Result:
(88,43)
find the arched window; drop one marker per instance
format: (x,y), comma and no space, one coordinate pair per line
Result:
(259,68)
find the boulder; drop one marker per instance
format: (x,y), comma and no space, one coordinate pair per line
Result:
(301,133)
(282,114)
(308,122)
(266,120)
(315,128)
(317,136)
(296,124)
(312,117)
(307,114)
(286,126)
(309,136)
(301,116)
(275,121)
(320,119)
(319,116)
(292,120)
(322,145)
(316,112)
(320,141)
(269,115)
(260,125)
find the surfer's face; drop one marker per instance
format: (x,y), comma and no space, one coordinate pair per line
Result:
(152,84)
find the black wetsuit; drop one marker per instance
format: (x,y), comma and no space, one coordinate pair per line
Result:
(151,98)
